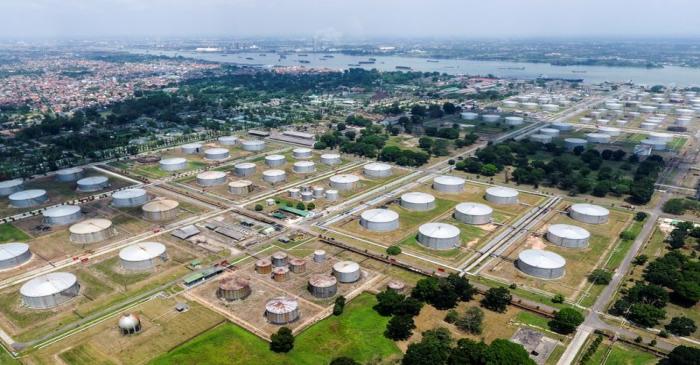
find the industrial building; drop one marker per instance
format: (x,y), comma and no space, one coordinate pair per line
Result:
(473,213)
(438,236)
(377,170)
(274,176)
(69,174)
(275,160)
(9,187)
(160,209)
(379,220)
(323,286)
(173,164)
(216,154)
(211,178)
(142,256)
(92,183)
(344,182)
(330,159)
(49,290)
(129,198)
(540,263)
(14,254)
(448,184)
(417,201)
(347,271)
(91,231)
(28,198)
(301,153)
(304,167)
(240,187)
(282,310)
(233,288)
(62,215)
(589,213)
(566,235)
(502,195)
(253,145)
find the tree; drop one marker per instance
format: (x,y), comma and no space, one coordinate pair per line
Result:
(425,143)
(674,206)
(686,292)
(409,306)
(282,341)
(468,352)
(434,348)
(645,315)
(504,352)
(472,321)
(640,260)
(339,306)
(393,250)
(565,321)
(258,207)
(301,206)
(418,110)
(681,326)
(449,108)
(600,277)
(400,328)
(682,355)
(558,298)
(387,301)
(344,361)
(452,316)
(311,206)
(465,291)
(497,299)
(640,216)
(489,169)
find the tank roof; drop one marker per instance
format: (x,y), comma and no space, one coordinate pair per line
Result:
(449,180)
(417,197)
(590,209)
(160,205)
(502,191)
(142,251)
(281,305)
(212,174)
(345,178)
(322,280)
(379,215)
(92,180)
(346,266)
(173,161)
(11,250)
(11,183)
(28,194)
(61,211)
(48,284)
(439,230)
(470,208)
(90,226)
(542,259)
(568,231)
(129,193)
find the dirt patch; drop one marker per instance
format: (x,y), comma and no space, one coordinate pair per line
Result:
(535,242)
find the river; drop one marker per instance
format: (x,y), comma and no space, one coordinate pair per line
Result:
(669,75)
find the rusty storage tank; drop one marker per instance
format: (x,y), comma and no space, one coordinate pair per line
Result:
(396,285)
(280,273)
(240,187)
(279,258)
(160,209)
(263,266)
(323,286)
(297,266)
(282,310)
(233,288)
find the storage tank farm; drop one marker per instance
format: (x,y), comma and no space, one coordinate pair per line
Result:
(91,230)
(9,187)
(13,255)
(129,198)
(70,174)
(473,213)
(377,170)
(274,176)
(282,310)
(344,182)
(173,164)
(379,220)
(160,209)
(502,195)
(417,201)
(448,184)
(216,154)
(211,178)
(566,235)
(589,213)
(191,148)
(330,159)
(322,285)
(62,215)
(275,160)
(49,290)
(347,271)
(540,263)
(28,198)
(244,169)
(92,183)
(438,236)
(240,187)
(142,256)
(302,153)
(253,145)
(233,288)
(304,167)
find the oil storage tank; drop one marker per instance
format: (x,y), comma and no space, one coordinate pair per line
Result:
(540,263)
(491,118)
(62,215)
(91,231)
(216,154)
(598,138)
(69,174)
(344,182)
(417,201)
(438,236)
(514,121)
(571,143)
(233,288)
(244,169)
(469,115)
(304,167)
(14,254)
(253,145)
(28,198)
(142,256)
(282,310)
(347,271)
(377,170)
(330,159)
(49,290)
(211,178)
(92,183)
(275,160)
(228,140)
(173,164)
(160,209)
(541,138)
(301,153)
(448,184)
(274,176)
(553,132)
(655,145)
(502,195)
(567,235)
(191,148)
(279,259)
(9,187)
(331,194)
(129,198)
(240,187)
(322,285)
(379,220)
(473,213)
(589,213)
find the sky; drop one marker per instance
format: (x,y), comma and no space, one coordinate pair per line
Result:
(349,19)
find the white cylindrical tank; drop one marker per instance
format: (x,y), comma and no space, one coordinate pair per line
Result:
(550,107)
(62,215)
(274,176)
(331,195)
(216,154)
(448,184)
(294,193)
(572,143)
(491,118)
(655,145)
(541,138)
(211,178)
(502,195)
(598,138)
(142,256)
(589,213)
(49,290)
(91,231)
(307,196)
(566,235)
(540,263)
(129,198)
(379,220)
(304,167)
(473,213)
(438,236)
(469,115)
(648,126)
(173,164)
(69,174)
(9,187)
(647,108)
(244,169)
(330,159)
(510,103)
(228,140)
(92,183)
(611,131)
(417,201)
(347,271)
(302,153)
(13,254)
(685,112)
(562,126)
(275,160)
(191,148)
(662,137)
(344,182)
(253,145)
(28,198)
(160,209)
(553,132)
(530,105)
(240,187)
(514,121)
(376,170)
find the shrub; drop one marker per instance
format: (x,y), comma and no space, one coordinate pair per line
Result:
(566,320)
(558,298)
(452,316)
(393,250)
(600,277)
(282,341)
(258,207)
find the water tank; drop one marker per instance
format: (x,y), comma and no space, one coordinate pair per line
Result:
(473,213)
(438,236)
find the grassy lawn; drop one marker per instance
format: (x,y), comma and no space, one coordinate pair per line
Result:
(676,143)
(10,233)
(82,355)
(357,333)
(532,319)
(624,355)
(6,359)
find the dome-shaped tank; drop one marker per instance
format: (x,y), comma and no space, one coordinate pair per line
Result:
(417,201)
(438,236)
(566,235)
(473,213)
(14,254)
(211,178)
(91,231)
(62,214)
(347,271)
(540,263)
(502,195)
(129,324)
(589,213)
(142,256)
(129,198)
(379,220)
(49,290)
(448,184)
(160,209)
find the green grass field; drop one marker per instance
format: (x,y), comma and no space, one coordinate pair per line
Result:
(357,333)
(620,355)
(82,355)
(10,233)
